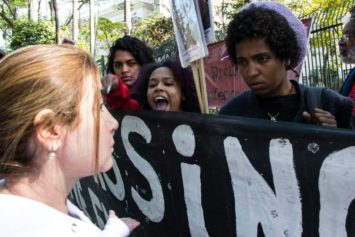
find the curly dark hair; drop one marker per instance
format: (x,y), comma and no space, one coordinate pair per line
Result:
(182,75)
(141,52)
(262,23)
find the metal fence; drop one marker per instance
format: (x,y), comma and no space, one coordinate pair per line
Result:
(322,66)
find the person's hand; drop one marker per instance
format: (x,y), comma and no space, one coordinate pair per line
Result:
(320,117)
(109,82)
(129,222)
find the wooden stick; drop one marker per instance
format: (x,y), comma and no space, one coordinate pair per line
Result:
(200,84)
(195,74)
(203,85)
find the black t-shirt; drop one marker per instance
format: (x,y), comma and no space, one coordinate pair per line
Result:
(282,108)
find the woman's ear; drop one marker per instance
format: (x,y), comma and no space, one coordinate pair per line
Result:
(48,131)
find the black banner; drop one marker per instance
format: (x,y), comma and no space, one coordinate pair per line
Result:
(184,174)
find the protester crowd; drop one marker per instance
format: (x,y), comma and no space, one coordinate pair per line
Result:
(50,108)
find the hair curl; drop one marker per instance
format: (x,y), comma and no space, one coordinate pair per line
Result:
(183,76)
(141,53)
(261,23)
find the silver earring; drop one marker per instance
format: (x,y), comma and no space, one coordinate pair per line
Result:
(52,154)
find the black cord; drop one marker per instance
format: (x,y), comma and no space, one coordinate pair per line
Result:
(297,75)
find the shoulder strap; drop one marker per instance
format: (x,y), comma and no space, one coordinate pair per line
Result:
(314,98)
(340,106)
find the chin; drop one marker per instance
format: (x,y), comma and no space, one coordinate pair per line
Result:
(107,165)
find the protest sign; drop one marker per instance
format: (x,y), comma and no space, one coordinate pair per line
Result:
(189,33)
(205,7)
(184,174)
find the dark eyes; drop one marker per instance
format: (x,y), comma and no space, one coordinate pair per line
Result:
(154,83)
(241,62)
(261,59)
(129,64)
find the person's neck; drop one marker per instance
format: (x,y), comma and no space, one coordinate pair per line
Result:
(40,188)
(285,89)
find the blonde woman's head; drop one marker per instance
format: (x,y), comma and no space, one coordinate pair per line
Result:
(37,78)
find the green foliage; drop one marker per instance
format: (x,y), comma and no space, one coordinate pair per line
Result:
(107,32)
(9,14)
(30,33)
(224,13)
(155,30)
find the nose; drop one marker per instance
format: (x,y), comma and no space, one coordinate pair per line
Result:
(125,68)
(252,69)
(159,86)
(113,123)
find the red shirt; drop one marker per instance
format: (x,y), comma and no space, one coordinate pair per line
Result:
(120,98)
(352,95)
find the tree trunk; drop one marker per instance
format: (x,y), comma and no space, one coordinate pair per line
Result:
(28,9)
(34,9)
(39,15)
(75,21)
(127,17)
(92,28)
(56,20)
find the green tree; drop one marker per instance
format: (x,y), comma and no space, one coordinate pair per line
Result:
(155,30)
(9,14)
(30,33)
(107,32)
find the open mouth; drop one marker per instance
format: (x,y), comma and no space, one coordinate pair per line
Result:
(161,103)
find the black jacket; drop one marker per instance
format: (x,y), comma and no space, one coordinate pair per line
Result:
(246,104)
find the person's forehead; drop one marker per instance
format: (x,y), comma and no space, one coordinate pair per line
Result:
(165,72)
(252,47)
(123,55)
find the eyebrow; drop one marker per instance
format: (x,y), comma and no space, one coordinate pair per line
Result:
(164,78)
(256,55)
(132,60)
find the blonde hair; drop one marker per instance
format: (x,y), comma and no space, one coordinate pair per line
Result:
(36,78)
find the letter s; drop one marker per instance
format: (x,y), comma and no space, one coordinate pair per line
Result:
(155,208)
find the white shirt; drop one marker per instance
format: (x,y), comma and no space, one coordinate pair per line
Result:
(22,217)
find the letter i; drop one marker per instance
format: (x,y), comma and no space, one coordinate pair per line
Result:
(184,141)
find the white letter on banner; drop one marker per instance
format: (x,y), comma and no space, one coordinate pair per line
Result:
(96,204)
(155,208)
(192,194)
(184,141)
(337,191)
(118,188)
(79,197)
(255,202)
